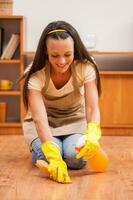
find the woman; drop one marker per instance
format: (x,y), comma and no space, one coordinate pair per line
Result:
(61,94)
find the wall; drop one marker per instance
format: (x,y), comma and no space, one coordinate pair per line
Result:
(110,21)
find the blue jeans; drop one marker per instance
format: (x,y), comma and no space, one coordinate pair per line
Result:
(67,149)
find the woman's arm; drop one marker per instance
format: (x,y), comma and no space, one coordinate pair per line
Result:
(39,115)
(57,167)
(91,102)
(93,132)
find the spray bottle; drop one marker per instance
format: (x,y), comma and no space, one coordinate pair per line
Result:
(99,161)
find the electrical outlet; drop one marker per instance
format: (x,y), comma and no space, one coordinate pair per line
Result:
(90,41)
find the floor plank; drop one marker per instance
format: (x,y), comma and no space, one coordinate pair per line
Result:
(21,180)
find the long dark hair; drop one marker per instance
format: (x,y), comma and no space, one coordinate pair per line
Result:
(80,52)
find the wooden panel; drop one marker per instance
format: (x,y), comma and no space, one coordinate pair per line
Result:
(10,130)
(116,131)
(116,100)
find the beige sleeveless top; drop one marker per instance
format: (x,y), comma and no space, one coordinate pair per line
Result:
(65,107)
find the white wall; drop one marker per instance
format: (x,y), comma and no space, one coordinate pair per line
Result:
(110,20)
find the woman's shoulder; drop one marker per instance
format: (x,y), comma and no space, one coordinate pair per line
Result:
(83,68)
(37,80)
(82,65)
(40,73)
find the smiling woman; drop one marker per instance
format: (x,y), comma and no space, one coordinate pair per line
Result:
(61,93)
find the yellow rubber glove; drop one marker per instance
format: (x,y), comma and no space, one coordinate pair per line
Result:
(57,168)
(91,146)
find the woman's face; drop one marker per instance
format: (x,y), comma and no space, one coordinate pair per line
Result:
(60,54)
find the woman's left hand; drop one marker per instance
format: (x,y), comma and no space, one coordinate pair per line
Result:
(93,134)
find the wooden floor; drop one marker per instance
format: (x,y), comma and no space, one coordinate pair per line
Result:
(20,180)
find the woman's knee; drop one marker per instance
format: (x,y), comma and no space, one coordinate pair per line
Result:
(36,152)
(69,152)
(37,155)
(71,160)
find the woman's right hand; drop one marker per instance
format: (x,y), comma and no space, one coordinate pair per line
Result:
(57,168)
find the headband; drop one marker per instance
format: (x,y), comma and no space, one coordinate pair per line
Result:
(56,30)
